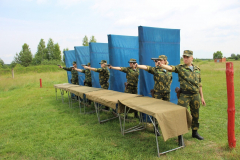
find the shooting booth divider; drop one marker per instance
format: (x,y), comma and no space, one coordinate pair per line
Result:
(82,57)
(121,50)
(98,52)
(69,58)
(152,43)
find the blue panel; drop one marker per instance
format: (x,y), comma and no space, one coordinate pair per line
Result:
(83,57)
(98,52)
(121,50)
(69,58)
(152,43)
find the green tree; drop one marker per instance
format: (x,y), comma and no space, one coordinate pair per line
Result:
(1,63)
(217,54)
(50,50)
(233,55)
(85,41)
(57,52)
(25,56)
(41,50)
(237,57)
(93,39)
(63,54)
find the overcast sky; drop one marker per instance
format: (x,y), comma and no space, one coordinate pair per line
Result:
(206,25)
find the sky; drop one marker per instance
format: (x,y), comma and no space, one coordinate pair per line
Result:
(206,26)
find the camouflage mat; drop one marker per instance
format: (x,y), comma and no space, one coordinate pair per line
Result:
(173,119)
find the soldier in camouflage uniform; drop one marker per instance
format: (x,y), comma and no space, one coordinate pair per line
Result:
(190,88)
(162,78)
(132,74)
(88,77)
(74,79)
(104,74)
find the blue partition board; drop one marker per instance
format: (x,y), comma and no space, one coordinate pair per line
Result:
(152,43)
(69,58)
(82,57)
(98,52)
(121,50)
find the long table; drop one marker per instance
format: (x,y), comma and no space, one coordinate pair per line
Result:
(80,92)
(62,88)
(173,119)
(110,99)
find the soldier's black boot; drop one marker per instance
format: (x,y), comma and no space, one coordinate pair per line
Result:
(196,135)
(158,134)
(136,115)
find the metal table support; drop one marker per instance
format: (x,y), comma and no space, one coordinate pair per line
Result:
(182,142)
(138,127)
(98,109)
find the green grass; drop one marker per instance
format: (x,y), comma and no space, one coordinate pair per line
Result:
(36,126)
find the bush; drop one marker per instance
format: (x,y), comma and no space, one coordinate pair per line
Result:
(37,69)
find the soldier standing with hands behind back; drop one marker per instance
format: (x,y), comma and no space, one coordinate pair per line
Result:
(190,88)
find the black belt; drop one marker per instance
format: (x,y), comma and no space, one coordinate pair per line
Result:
(161,92)
(186,92)
(131,85)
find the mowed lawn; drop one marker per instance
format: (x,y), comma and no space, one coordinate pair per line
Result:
(33,125)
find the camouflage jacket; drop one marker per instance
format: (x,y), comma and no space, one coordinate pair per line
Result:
(74,75)
(189,80)
(162,79)
(103,75)
(132,75)
(88,77)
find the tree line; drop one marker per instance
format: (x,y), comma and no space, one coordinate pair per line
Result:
(50,54)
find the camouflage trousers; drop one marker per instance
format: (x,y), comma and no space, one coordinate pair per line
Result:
(193,101)
(163,96)
(89,85)
(132,90)
(105,85)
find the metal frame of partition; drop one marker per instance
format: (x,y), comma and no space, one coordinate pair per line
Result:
(141,126)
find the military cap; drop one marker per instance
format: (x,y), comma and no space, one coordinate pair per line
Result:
(188,53)
(132,61)
(103,61)
(88,64)
(162,57)
(74,62)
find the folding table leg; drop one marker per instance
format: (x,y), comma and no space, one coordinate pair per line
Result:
(154,124)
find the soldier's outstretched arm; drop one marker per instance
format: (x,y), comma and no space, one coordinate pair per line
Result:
(76,69)
(142,67)
(116,68)
(90,68)
(167,67)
